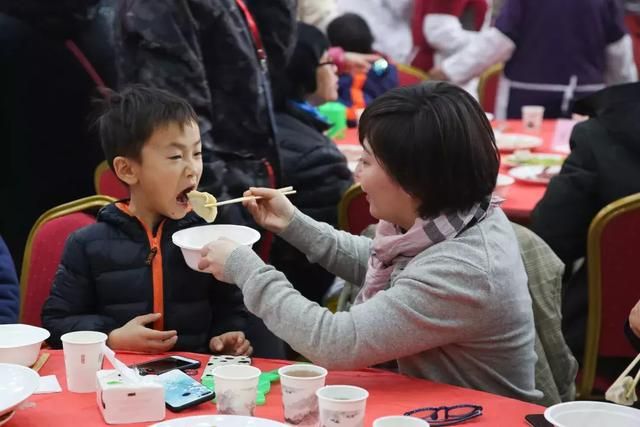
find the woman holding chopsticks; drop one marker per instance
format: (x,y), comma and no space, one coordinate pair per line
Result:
(443,288)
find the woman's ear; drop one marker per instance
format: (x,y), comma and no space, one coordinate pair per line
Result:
(126,170)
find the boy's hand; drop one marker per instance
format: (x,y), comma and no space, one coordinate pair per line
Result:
(233,343)
(213,257)
(135,336)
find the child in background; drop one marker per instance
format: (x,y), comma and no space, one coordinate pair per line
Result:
(123,276)
(357,88)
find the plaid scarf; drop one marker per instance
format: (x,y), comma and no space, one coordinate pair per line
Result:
(391,246)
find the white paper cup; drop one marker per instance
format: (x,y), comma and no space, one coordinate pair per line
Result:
(342,405)
(532,116)
(400,421)
(82,359)
(299,385)
(236,387)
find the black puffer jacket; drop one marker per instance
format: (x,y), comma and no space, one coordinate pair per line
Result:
(314,166)
(105,279)
(204,51)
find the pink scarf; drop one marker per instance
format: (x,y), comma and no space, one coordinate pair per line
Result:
(391,246)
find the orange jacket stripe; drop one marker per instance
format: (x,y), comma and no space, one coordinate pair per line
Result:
(155,259)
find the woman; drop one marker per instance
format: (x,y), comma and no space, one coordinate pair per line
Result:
(444,291)
(310,161)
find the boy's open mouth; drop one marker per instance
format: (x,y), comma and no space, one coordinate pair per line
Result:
(182,196)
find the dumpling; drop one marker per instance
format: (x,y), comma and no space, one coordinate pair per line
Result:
(203,204)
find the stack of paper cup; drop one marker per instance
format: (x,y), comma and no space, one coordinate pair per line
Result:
(342,405)
(299,385)
(236,387)
(82,359)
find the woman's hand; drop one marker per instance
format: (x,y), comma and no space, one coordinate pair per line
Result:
(273,212)
(233,343)
(214,255)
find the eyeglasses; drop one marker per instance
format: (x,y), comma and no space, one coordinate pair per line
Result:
(452,414)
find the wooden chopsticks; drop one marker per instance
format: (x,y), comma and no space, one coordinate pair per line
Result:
(284,190)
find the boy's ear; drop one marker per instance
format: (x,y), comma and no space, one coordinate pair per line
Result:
(125,170)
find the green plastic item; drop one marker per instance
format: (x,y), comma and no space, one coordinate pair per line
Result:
(264,385)
(336,115)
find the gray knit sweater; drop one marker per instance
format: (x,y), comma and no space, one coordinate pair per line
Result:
(457,313)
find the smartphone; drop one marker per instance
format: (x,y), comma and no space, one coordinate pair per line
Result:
(181,391)
(537,420)
(165,364)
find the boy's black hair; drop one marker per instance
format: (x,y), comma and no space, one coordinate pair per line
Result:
(129,118)
(350,32)
(435,141)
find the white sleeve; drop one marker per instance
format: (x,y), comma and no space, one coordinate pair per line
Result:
(445,33)
(318,13)
(489,47)
(620,65)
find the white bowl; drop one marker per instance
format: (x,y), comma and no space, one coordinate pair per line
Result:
(20,344)
(18,383)
(192,240)
(502,185)
(586,413)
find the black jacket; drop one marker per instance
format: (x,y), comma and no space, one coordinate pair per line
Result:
(105,279)
(45,103)
(313,165)
(203,50)
(604,165)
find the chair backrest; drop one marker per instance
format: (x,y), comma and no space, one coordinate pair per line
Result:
(108,184)
(44,250)
(488,88)
(408,75)
(556,367)
(612,257)
(353,211)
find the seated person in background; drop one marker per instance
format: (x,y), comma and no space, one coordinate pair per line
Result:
(632,327)
(358,88)
(123,276)
(9,290)
(604,165)
(554,52)
(443,287)
(311,162)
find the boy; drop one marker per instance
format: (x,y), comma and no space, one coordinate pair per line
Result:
(123,274)
(357,89)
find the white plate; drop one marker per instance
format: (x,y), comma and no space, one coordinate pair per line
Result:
(18,383)
(534,174)
(516,141)
(219,421)
(533,159)
(592,414)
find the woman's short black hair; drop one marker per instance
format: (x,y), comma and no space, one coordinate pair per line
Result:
(436,142)
(127,119)
(351,32)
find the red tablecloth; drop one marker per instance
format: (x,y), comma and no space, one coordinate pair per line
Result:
(521,197)
(389,394)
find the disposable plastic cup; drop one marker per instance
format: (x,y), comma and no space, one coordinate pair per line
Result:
(299,384)
(235,387)
(82,359)
(342,405)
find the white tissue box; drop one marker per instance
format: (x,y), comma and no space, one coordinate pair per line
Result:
(123,402)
